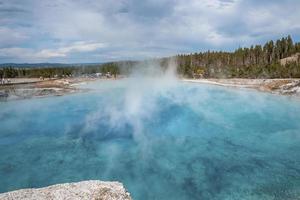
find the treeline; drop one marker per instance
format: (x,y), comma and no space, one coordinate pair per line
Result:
(280,59)
(255,62)
(50,72)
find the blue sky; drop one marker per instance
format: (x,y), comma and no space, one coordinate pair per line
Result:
(72,31)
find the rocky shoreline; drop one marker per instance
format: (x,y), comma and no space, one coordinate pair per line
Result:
(85,190)
(30,89)
(289,87)
(59,87)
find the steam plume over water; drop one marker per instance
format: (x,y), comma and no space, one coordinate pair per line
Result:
(164,139)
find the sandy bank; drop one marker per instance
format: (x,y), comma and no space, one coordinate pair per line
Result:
(277,86)
(89,190)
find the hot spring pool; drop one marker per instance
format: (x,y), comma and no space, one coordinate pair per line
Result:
(161,140)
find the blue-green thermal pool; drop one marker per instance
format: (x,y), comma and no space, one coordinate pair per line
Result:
(161,140)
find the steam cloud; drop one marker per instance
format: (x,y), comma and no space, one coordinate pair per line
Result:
(137,101)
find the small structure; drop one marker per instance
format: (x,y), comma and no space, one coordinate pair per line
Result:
(108,75)
(98,74)
(5,81)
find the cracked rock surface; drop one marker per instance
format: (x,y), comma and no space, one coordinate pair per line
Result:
(89,190)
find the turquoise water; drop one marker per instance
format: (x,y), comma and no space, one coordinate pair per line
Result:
(162,140)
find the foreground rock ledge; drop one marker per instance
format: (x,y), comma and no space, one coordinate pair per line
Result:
(99,190)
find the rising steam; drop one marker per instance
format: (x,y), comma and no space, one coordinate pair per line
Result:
(137,101)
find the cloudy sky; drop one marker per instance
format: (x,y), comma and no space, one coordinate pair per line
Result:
(85,31)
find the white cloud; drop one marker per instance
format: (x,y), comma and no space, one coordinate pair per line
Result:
(27,53)
(65,51)
(280,19)
(16,52)
(10,36)
(139,29)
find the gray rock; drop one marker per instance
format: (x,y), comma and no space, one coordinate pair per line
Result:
(89,190)
(290,88)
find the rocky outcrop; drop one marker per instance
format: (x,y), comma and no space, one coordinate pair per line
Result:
(291,88)
(291,59)
(86,190)
(282,86)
